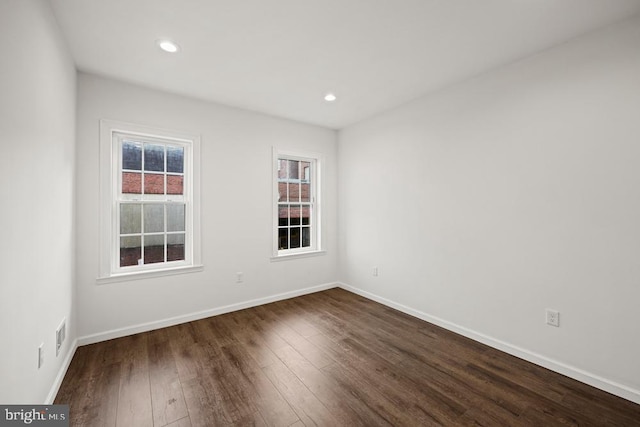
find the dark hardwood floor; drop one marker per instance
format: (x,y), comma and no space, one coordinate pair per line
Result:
(331,358)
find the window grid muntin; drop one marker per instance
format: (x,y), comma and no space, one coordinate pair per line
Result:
(142,199)
(306,175)
(142,234)
(146,141)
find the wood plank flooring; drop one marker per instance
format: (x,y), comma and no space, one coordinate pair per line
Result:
(331,359)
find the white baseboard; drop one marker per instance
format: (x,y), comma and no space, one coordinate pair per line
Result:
(61,373)
(609,386)
(163,323)
(578,374)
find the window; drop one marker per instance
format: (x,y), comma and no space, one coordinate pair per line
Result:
(296,204)
(149,208)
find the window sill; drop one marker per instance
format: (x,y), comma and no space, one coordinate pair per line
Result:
(297,255)
(126,277)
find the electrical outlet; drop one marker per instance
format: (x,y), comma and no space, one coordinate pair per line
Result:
(40,355)
(375,271)
(239,277)
(61,334)
(553,317)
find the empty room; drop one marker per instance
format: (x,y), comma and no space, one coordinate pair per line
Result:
(320,212)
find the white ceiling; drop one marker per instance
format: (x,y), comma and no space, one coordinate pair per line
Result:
(281,56)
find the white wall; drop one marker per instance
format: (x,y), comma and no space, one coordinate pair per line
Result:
(517,191)
(236,210)
(37,125)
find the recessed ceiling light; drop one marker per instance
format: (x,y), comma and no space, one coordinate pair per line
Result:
(330,97)
(168,46)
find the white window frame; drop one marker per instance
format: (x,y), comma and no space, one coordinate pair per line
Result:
(315,177)
(112,133)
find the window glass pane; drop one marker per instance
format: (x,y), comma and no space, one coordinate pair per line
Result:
(130,250)
(130,218)
(294,192)
(175,159)
(153,249)
(131,155)
(305,192)
(175,217)
(153,219)
(306,215)
(293,169)
(282,192)
(294,237)
(306,237)
(153,183)
(283,238)
(174,184)
(282,169)
(175,247)
(294,215)
(283,216)
(131,183)
(154,157)
(305,171)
